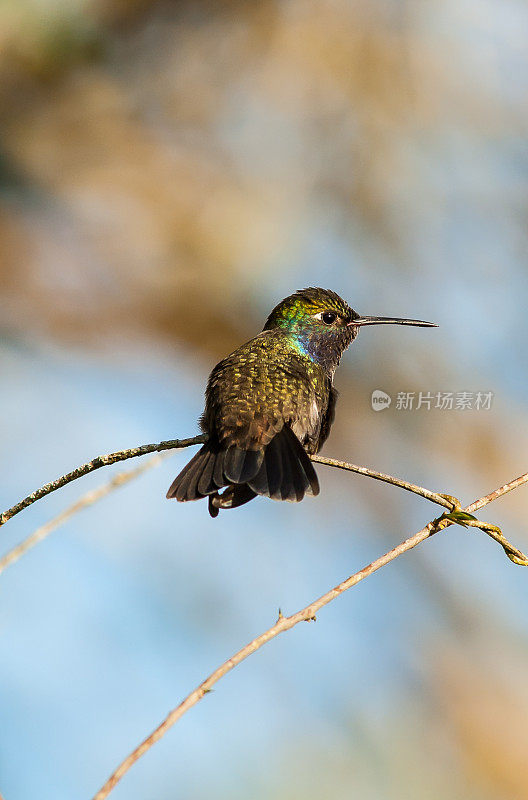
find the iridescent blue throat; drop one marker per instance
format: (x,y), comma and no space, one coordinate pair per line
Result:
(324,348)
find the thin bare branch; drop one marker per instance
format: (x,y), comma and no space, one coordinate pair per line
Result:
(174,444)
(381,476)
(284,624)
(86,500)
(445,500)
(97,463)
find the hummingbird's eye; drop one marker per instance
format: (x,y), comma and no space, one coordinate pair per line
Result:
(329,317)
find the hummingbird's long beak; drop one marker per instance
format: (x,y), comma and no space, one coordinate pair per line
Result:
(391,321)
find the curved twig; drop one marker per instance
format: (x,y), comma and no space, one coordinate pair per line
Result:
(447,501)
(97,463)
(88,499)
(175,444)
(434,497)
(285,623)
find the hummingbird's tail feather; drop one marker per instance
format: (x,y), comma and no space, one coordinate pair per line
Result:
(305,477)
(287,488)
(298,481)
(241,465)
(205,480)
(198,478)
(293,482)
(273,461)
(286,472)
(218,471)
(282,470)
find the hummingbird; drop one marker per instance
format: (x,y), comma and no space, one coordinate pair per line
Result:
(270,405)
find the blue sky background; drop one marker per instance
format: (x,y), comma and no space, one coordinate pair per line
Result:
(413,683)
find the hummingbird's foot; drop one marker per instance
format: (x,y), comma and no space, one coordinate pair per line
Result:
(233,496)
(212,508)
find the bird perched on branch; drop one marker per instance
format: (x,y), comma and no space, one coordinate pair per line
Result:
(270,404)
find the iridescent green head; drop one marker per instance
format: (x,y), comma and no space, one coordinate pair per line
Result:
(317,309)
(318,321)
(321,325)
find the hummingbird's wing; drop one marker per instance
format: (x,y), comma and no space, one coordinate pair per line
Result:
(261,407)
(327,419)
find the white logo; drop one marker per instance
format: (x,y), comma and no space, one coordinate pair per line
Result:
(380,400)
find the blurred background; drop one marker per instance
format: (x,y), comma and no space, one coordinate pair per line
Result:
(168,172)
